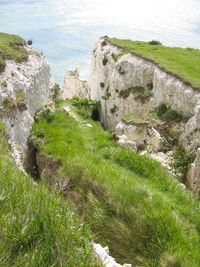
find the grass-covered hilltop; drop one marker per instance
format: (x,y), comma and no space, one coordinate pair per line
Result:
(182,62)
(11,47)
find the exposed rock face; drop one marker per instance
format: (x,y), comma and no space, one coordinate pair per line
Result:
(73,86)
(139,136)
(110,78)
(193,178)
(24,89)
(117,80)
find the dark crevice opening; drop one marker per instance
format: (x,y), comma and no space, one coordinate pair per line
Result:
(30,164)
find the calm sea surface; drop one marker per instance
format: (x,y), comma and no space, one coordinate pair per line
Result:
(65,30)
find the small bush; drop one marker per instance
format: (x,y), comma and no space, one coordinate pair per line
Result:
(8,104)
(21,100)
(86,107)
(182,162)
(20,96)
(143,93)
(149,86)
(125,93)
(166,113)
(106,96)
(154,42)
(114,109)
(4,83)
(102,85)
(55,93)
(48,115)
(103,43)
(104,60)
(30,42)
(121,70)
(39,133)
(114,57)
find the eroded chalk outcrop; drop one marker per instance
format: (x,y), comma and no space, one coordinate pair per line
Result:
(24,89)
(129,84)
(74,86)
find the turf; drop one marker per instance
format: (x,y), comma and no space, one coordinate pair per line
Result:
(133,205)
(11,47)
(37,226)
(183,62)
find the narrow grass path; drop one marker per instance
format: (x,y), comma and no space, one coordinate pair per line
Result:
(132,204)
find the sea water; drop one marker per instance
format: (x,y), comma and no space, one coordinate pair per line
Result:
(66,30)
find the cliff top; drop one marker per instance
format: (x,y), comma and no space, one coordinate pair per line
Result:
(11,47)
(181,62)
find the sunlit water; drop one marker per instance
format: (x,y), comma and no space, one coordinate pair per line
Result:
(65,30)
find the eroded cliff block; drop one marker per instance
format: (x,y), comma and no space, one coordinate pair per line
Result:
(74,86)
(193,178)
(130,77)
(24,89)
(139,136)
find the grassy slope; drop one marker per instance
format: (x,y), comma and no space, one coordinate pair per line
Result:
(37,227)
(185,63)
(11,47)
(131,202)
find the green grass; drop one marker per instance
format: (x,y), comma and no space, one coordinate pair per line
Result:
(37,226)
(11,47)
(133,205)
(185,63)
(135,118)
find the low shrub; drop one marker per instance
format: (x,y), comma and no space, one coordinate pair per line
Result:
(55,92)
(86,107)
(4,83)
(39,133)
(104,60)
(149,86)
(114,109)
(8,104)
(30,42)
(114,57)
(48,115)
(103,43)
(166,113)
(121,70)
(21,96)
(102,84)
(154,42)
(125,93)
(182,161)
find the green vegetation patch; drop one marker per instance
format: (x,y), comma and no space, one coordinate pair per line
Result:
(133,117)
(182,162)
(86,107)
(143,93)
(166,113)
(182,62)
(38,227)
(132,203)
(11,47)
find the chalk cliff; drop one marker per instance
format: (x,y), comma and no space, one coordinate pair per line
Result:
(117,81)
(24,89)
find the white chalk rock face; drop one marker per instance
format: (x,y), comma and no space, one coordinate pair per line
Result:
(24,89)
(74,86)
(117,81)
(193,177)
(138,136)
